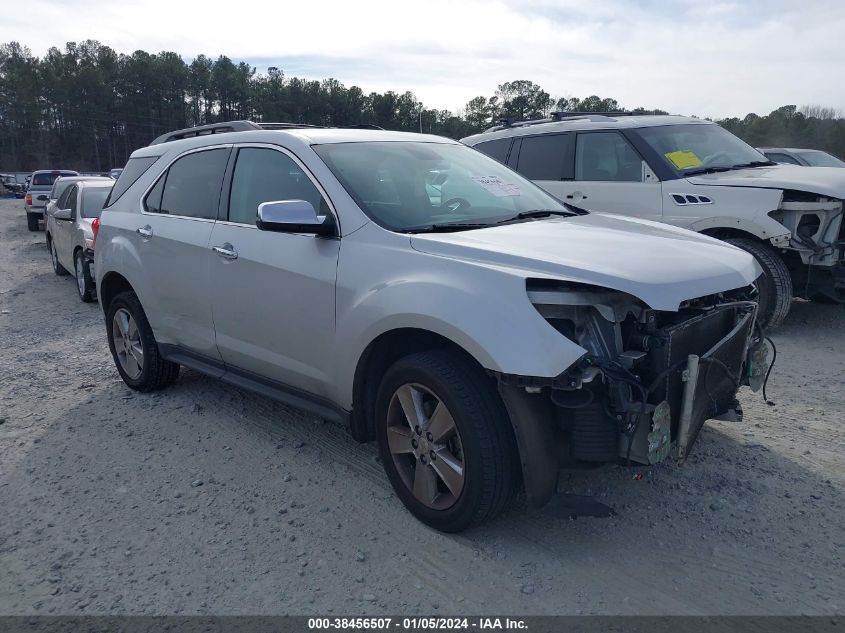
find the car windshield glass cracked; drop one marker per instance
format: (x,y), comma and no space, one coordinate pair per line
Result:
(405,185)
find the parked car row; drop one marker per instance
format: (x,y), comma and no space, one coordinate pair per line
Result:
(692,174)
(483,331)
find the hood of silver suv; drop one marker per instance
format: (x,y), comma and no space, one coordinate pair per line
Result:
(659,264)
(826,181)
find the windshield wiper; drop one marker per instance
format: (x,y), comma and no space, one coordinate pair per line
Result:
(713,170)
(754,163)
(449,227)
(545,213)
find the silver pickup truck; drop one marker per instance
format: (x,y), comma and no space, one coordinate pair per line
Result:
(39,192)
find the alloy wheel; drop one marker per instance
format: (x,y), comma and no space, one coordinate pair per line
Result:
(80,276)
(127,343)
(53,255)
(425,446)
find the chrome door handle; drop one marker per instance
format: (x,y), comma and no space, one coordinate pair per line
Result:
(227,251)
(145,231)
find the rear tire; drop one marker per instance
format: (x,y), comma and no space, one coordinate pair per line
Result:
(84,283)
(480,440)
(32,221)
(136,355)
(774,286)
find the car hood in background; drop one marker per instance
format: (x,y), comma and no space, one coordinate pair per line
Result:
(826,181)
(659,264)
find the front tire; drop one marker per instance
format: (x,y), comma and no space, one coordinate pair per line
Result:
(775,284)
(32,221)
(134,348)
(84,283)
(445,440)
(60,270)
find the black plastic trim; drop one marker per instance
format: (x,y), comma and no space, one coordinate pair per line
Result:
(275,390)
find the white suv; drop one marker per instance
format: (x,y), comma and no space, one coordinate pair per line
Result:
(484,333)
(696,175)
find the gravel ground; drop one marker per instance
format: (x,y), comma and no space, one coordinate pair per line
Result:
(208,499)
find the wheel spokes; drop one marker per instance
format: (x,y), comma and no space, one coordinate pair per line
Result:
(411,401)
(449,469)
(425,484)
(440,424)
(399,440)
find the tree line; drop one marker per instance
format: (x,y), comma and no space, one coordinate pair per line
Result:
(88,107)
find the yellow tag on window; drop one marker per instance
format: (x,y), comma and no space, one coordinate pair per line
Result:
(683,159)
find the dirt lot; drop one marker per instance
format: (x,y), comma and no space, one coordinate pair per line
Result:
(208,499)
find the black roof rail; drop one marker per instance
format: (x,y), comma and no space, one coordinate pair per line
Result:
(363,126)
(283,126)
(557,116)
(201,130)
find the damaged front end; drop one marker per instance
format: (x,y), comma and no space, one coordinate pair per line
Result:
(817,238)
(645,387)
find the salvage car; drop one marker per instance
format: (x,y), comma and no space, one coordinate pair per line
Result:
(484,333)
(60,186)
(38,192)
(72,231)
(694,174)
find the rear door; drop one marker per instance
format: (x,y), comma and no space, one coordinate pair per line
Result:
(546,159)
(274,293)
(611,176)
(172,239)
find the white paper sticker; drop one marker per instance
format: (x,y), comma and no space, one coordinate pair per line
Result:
(497,186)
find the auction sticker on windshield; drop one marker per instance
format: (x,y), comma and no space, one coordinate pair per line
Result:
(683,159)
(497,186)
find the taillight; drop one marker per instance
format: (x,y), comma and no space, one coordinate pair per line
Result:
(29,199)
(95,228)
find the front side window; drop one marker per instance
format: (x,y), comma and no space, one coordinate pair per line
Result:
(191,185)
(392,183)
(608,157)
(267,175)
(62,202)
(697,148)
(71,201)
(93,200)
(543,157)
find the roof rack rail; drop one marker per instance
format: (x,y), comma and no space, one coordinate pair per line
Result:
(242,126)
(201,130)
(557,116)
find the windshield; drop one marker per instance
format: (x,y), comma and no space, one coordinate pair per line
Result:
(696,148)
(816,158)
(93,200)
(412,185)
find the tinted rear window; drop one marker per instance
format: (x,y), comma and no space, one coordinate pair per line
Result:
(92,201)
(42,180)
(135,168)
(497,149)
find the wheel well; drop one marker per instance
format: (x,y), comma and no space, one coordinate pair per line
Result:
(374,362)
(112,285)
(723,233)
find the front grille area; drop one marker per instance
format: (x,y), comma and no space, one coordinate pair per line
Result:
(719,337)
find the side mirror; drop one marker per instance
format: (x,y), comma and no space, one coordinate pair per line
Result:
(62,214)
(293,216)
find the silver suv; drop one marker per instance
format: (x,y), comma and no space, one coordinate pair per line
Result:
(427,296)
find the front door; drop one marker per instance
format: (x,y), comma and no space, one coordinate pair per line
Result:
(610,176)
(273,293)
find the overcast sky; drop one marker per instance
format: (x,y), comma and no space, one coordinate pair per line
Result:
(703,57)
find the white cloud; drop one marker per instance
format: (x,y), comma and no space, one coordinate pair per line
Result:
(711,59)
